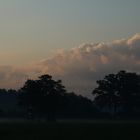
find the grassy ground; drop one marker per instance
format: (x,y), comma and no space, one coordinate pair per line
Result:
(70,131)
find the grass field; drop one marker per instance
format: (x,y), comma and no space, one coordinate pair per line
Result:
(70,131)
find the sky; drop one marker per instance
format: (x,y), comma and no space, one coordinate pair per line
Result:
(31,29)
(36,32)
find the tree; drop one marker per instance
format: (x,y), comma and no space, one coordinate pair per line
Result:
(76,106)
(41,96)
(48,98)
(121,90)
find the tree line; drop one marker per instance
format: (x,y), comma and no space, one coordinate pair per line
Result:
(117,96)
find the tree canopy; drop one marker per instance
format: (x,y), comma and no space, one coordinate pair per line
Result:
(49,98)
(119,91)
(40,96)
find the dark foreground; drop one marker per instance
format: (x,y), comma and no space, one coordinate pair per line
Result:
(70,130)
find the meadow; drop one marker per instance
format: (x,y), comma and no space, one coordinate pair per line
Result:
(70,130)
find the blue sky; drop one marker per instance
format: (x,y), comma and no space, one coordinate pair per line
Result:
(30,29)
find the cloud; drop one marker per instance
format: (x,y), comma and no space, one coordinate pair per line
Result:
(80,67)
(11,77)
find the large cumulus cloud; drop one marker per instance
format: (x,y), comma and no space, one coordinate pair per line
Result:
(80,67)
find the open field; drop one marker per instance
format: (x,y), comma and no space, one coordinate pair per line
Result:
(70,130)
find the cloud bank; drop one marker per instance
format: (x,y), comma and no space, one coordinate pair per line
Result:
(80,67)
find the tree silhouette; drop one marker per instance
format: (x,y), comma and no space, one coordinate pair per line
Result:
(121,90)
(76,106)
(41,96)
(48,98)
